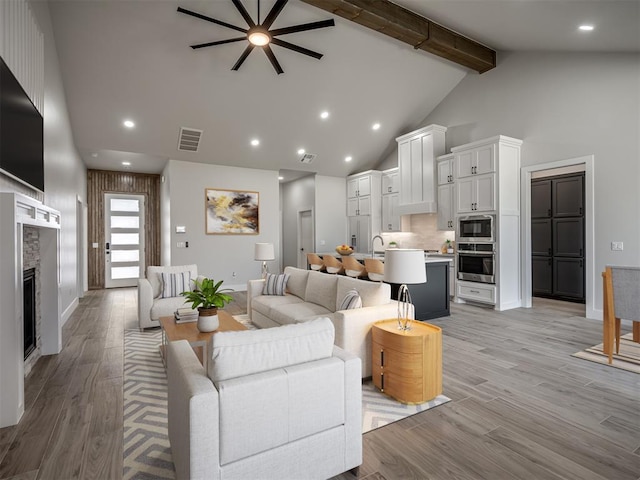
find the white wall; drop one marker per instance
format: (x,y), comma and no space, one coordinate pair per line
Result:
(219,256)
(331,211)
(564,106)
(65,173)
(298,195)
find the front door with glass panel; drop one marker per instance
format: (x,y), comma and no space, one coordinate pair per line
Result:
(124,239)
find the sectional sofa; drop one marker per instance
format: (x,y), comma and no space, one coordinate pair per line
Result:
(311,294)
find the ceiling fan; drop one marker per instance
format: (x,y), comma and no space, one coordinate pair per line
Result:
(259,34)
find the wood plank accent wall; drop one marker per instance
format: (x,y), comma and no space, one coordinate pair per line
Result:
(22,48)
(100,182)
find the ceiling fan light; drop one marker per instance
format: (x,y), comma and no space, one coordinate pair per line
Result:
(259,38)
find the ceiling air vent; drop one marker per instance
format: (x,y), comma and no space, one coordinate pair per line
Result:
(189,139)
(308,158)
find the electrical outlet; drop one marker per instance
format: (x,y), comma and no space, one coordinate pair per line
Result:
(617,246)
(322,242)
(180,244)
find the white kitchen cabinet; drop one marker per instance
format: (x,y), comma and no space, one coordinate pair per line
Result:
(477,161)
(364,208)
(487,181)
(446,210)
(446,171)
(359,206)
(476,193)
(359,185)
(390,199)
(417,152)
(390,215)
(446,192)
(390,181)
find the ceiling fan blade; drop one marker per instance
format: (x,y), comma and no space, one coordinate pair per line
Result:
(275,11)
(220,42)
(243,57)
(212,20)
(296,48)
(272,58)
(302,28)
(244,13)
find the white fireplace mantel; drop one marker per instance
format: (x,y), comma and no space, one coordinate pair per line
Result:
(17,210)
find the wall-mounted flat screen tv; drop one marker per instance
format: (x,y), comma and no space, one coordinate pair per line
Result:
(21,133)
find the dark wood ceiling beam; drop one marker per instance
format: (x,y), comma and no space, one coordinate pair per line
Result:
(413,29)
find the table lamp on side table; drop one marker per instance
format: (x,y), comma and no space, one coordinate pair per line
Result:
(404,266)
(264,253)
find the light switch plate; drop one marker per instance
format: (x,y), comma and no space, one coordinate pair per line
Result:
(181,229)
(94,244)
(617,246)
(180,245)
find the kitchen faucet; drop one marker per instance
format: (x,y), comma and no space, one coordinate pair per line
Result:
(372,240)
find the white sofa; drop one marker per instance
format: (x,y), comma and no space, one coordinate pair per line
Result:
(313,294)
(150,306)
(280,403)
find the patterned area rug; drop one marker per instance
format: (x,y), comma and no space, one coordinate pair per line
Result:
(628,359)
(147,453)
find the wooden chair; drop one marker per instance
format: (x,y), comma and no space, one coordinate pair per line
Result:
(353,268)
(620,299)
(315,262)
(334,266)
(375,269)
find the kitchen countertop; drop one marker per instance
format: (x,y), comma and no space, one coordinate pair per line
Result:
(429,257)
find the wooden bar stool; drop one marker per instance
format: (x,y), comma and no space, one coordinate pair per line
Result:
(334,266)
(315,262)
(620,299)
(353,268)
(375,269)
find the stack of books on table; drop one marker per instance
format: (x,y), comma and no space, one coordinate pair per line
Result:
(185,315)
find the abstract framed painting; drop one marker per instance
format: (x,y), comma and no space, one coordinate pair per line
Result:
(231,212)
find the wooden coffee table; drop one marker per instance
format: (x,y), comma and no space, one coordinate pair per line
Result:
(172,331)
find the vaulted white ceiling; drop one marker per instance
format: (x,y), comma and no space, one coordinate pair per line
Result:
(131,60)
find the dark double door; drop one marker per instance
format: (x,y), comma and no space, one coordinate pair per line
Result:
(558,238)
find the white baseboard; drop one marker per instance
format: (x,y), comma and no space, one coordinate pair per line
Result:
(242,287)
(69,311)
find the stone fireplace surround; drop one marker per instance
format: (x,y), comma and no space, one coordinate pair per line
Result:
(17,211)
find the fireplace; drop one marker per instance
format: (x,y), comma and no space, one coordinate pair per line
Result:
(29,314)
(17,212)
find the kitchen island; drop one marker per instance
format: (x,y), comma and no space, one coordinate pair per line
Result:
(430,299)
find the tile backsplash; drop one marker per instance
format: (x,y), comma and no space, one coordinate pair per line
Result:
(419,231)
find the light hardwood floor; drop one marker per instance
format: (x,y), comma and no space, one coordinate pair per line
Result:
(521,407)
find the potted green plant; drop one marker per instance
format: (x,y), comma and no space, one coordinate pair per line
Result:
(207,297)
(449,246)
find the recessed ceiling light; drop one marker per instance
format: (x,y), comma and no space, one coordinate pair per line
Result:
(586,28)
(375,126)
(324,115)
(348,158)
(280,178)
(255,142)
(301,151)
(126,164)
(128,124)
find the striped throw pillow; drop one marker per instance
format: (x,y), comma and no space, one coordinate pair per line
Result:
(173,284)
(351,300)
(275,284)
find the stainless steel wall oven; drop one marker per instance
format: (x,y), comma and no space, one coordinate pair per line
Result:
(476,262)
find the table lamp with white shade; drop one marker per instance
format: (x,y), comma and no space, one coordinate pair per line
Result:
(404,266)
(264,253)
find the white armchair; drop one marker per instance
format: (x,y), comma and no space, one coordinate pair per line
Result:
(150,304)
(276,404)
